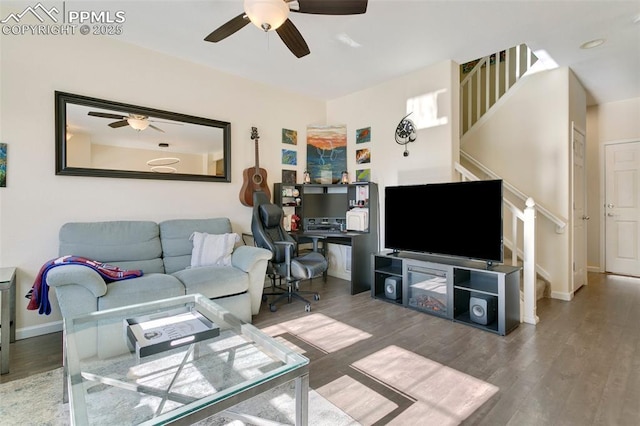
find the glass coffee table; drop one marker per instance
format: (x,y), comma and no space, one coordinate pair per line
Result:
(109,380)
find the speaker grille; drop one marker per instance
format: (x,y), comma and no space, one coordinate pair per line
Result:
(482,308)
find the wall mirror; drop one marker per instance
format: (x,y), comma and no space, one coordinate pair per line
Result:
(111,139)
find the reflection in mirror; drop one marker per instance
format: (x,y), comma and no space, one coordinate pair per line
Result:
(110,139)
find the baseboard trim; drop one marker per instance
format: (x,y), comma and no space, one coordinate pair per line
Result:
(38,330)
(561,295)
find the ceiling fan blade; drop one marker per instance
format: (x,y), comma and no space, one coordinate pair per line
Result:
(117,124)
(225,30)
(332,7)
(156,128)
(293,39)
(106,115)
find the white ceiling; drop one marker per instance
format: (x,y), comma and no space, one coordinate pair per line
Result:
(397,37)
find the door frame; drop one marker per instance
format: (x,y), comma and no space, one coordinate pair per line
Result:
(578,186)
(602,212)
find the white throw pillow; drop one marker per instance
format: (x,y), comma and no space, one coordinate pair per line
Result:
(212,249)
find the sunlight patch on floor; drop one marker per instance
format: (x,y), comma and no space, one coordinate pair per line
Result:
(442,393)
(357,400)
(290,345)
(320,331)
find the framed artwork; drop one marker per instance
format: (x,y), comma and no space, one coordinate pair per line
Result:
(3,165)
(326,153)
(363,175)
(363,156)
(363,135)
(289,176)
(290,137)
(289,157)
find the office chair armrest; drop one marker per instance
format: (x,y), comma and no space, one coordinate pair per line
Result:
(286,243)
(287,253)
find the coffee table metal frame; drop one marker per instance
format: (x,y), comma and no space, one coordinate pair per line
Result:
(295,367)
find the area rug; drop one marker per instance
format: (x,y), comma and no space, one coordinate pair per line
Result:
(37,400)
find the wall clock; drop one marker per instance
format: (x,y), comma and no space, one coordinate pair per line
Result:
(405,133)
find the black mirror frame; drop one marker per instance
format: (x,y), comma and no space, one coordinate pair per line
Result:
(61,101)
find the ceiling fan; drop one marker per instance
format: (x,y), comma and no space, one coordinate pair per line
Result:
(270,15)
(135,121)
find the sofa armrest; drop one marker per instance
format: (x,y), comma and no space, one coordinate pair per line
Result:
(254,261)
(78,275)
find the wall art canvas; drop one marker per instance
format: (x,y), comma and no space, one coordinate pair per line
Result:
(3,165)
(363,156)
(290,137)
(363,175)
(326,153)
(290,157)
(289,176)
(363,135)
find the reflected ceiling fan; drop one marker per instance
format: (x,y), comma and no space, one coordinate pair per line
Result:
(270,15)
(135,121)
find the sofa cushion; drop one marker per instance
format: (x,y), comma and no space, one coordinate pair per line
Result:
(146,288)
(213,281)
(177,246)
(212,249)
(127,244)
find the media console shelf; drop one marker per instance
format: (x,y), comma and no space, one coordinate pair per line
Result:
(463,291)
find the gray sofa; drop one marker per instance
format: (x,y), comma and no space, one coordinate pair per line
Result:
(163,252)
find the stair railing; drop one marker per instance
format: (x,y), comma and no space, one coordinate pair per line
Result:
(561,224)
(489,80)
(527,219)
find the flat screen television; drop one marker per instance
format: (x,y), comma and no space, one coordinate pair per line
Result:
(461,219)
(325,206)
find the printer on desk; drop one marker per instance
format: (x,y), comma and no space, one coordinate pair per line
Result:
(358,219)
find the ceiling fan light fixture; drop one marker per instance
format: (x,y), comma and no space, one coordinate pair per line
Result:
(267,15)
(137,123)
(163,161)
(164,169)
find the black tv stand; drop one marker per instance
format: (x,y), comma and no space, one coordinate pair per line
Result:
(449,287)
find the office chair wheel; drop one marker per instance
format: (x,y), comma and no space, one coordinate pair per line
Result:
(307,307)
(273,307)
(264,298)
(316,297)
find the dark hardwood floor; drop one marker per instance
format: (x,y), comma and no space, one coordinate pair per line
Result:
(384,364)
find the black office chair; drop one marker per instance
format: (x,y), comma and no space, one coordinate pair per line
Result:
(268,233)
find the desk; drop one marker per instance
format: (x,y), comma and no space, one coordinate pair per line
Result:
(8,318)
(363,244)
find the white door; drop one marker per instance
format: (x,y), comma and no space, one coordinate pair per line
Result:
(579,211)
(622,209)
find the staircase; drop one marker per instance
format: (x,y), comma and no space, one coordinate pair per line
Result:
(484,83)
(543,287)
(542,284)
(486,80)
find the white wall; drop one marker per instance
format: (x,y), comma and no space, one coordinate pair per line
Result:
(614,121)
(36,202)
(381,108)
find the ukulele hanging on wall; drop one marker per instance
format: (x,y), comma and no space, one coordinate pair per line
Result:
(254,178)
